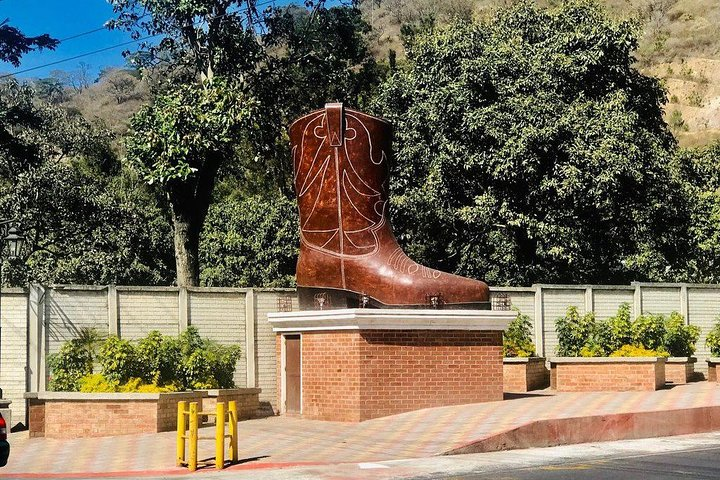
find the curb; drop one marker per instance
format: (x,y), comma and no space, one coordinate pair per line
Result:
(598,428)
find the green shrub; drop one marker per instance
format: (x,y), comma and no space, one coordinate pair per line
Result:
(619,329)
(206,364)
(158,357)
(97,383)
(649,331)
(119,359)
(517,339)
(155,363)
(67,366)
(574,331)
(680,339)
(713,339)
(637,351)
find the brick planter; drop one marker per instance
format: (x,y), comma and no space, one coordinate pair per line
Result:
(525,374)
(713,363)
(248,400)
(358,364)
(599,374)
(680,370)
(72,414)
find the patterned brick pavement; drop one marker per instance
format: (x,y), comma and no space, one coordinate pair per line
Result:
(287,440)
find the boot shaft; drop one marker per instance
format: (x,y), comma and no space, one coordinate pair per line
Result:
(340,163)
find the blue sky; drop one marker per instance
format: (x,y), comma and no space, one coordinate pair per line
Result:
(61,19)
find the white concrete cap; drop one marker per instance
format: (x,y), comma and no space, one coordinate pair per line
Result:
(390,319)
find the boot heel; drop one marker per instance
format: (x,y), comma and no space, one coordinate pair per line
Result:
(312,298)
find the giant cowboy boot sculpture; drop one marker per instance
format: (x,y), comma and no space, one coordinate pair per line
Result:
(348,253)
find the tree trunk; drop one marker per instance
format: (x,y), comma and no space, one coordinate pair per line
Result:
(187,241)
(189,202)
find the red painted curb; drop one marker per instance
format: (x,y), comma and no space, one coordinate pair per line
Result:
(598,428)
(173,471)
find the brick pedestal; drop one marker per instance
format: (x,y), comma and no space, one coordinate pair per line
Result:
(680,370)
(359,364)
(600,374)
(713,364)
(522,375)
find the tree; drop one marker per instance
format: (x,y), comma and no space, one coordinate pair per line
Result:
(529,149)
(250,242)
(59,178)
(14,44)
(179,142)
(304,59)
(698,170)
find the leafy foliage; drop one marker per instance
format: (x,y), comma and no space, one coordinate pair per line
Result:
(72,362)
(583,336)
(637,351)
(619,329)
(97,383)
(574,331)
(713,340)
(680,339)
(529,149)
(154,363)
(119,360)
(250,242)
(14,44)
(517,339)
(649,331)
(179,142)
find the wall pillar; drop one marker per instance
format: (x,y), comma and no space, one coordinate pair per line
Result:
(113,312)
(183,309)
(539,322)
(250,356)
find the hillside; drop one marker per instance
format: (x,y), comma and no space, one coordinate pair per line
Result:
(680,43)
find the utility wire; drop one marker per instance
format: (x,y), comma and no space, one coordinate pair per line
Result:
(112,47)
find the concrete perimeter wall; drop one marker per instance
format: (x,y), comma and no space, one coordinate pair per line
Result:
(37,320)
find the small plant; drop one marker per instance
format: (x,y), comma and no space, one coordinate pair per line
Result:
(574,331)
(694,99)
(677,123)
(713,339)
(619,329)
(97,383)
(154,364)
(637,351)
(72,362)
(517,339)
(118,359)
(680,339)
(649,331)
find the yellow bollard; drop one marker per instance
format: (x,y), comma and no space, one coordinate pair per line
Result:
(220,436)
(233,419)
(192,461)
(180,460)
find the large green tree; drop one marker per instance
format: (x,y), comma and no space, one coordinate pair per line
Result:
(179,142)
(529,149)
(285,61)
(84,220)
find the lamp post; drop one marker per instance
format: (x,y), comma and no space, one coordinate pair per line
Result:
(11,243)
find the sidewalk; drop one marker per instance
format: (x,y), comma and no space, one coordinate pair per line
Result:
(533,420)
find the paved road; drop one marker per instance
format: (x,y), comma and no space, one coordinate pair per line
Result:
(685,464)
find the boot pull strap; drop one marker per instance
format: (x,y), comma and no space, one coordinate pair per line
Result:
(334,114)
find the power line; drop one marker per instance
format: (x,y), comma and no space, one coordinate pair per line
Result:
(112,47)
